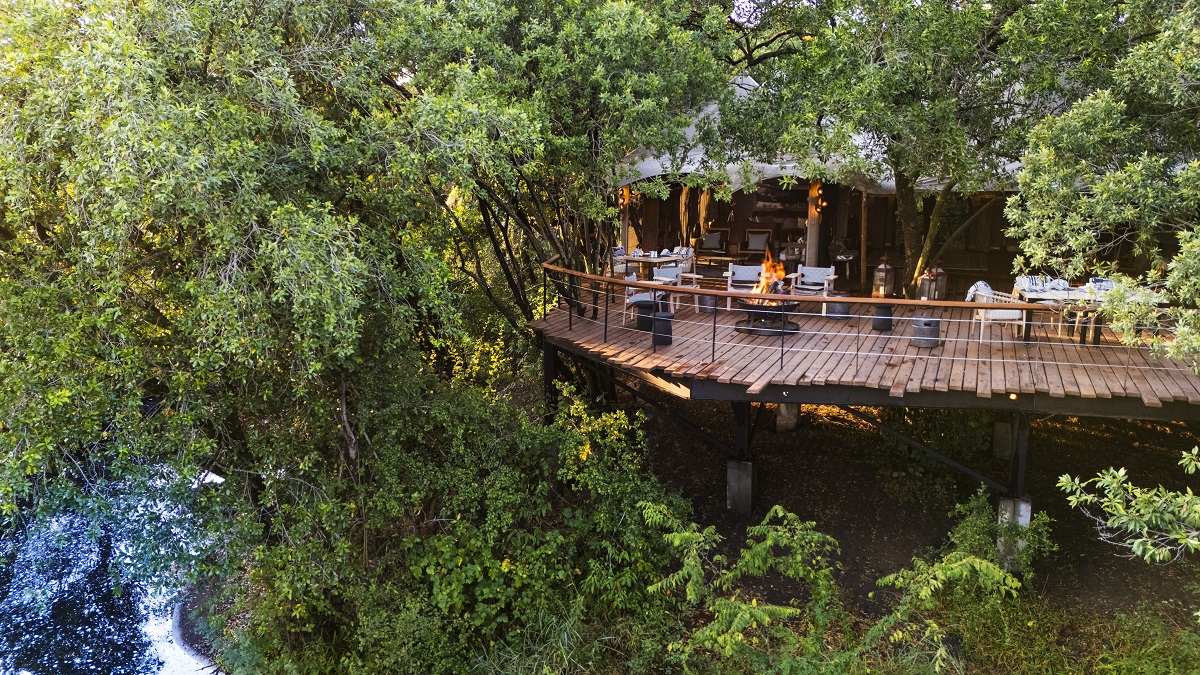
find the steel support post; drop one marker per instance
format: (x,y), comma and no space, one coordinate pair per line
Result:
(1019,433)
(741,430)
(739,470)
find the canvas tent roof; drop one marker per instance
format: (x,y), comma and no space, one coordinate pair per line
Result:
(642,164)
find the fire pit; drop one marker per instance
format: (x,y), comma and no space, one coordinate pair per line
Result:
(767,317)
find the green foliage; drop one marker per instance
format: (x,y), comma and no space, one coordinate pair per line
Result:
(968,574)
(515,122)
(228,240)
(550,643)
(894,91)
(174,240)
(1030,635)
(955,577)
(747,630)
(964,435)
(295,244)
(980,533)
(1118,176)
(461,550)
(1155,524)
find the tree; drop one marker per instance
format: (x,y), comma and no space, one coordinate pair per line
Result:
(517,122)
(1119,174)
(1156,525)
(935,96)
(178,282)
(228,244)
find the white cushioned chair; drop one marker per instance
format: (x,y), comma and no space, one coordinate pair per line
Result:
(670,276)
(981,292)
(812,280)
(635,295)
(741,278)
(687,271)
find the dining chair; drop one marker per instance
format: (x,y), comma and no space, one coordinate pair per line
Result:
(670,276)
(619,269)
(634,296)
(981,292)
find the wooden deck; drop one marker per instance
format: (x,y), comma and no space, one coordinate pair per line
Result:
(845,361)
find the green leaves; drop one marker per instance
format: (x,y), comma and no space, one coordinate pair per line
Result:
(192,244)
(1154,524)
(1116,175)
(925,581)
(743,628)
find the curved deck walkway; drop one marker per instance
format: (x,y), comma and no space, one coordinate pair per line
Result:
(846,362)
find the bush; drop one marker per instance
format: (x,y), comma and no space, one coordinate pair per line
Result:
(979,533)
(489,541)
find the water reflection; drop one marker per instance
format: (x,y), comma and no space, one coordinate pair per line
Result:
(63,611)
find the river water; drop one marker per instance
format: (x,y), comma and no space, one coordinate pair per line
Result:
(63,609)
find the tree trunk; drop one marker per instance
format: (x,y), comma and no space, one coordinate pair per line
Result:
(931,233)
(911,227)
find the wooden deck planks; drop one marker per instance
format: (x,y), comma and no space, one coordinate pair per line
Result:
(847,365)
(850,353)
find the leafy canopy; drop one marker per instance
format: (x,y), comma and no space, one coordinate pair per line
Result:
(1118,176)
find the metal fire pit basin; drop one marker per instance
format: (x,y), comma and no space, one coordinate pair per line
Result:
(763,319)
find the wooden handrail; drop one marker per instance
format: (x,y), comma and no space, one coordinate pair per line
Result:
(548,266)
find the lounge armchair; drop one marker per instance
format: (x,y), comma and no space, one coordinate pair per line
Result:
(713,242)
(812,280)
(741,278)
(757,242)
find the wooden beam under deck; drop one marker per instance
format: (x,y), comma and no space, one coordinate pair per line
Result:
(845,362)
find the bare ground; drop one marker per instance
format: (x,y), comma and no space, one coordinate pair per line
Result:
(849,479)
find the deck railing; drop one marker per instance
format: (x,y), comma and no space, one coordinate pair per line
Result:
(817,339)
(577,284)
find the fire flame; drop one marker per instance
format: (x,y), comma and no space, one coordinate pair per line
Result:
(770,280)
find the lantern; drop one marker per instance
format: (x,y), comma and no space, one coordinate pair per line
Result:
(885,279)
(939,276)
(927,289)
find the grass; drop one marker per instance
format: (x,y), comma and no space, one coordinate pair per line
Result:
(1029,635)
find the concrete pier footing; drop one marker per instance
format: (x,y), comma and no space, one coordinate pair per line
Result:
(739,486)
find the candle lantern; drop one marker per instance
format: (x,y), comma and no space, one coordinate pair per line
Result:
(927,290)
(939,277)
(885,279)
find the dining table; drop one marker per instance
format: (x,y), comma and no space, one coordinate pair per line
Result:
(1084,299)
(648,262)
